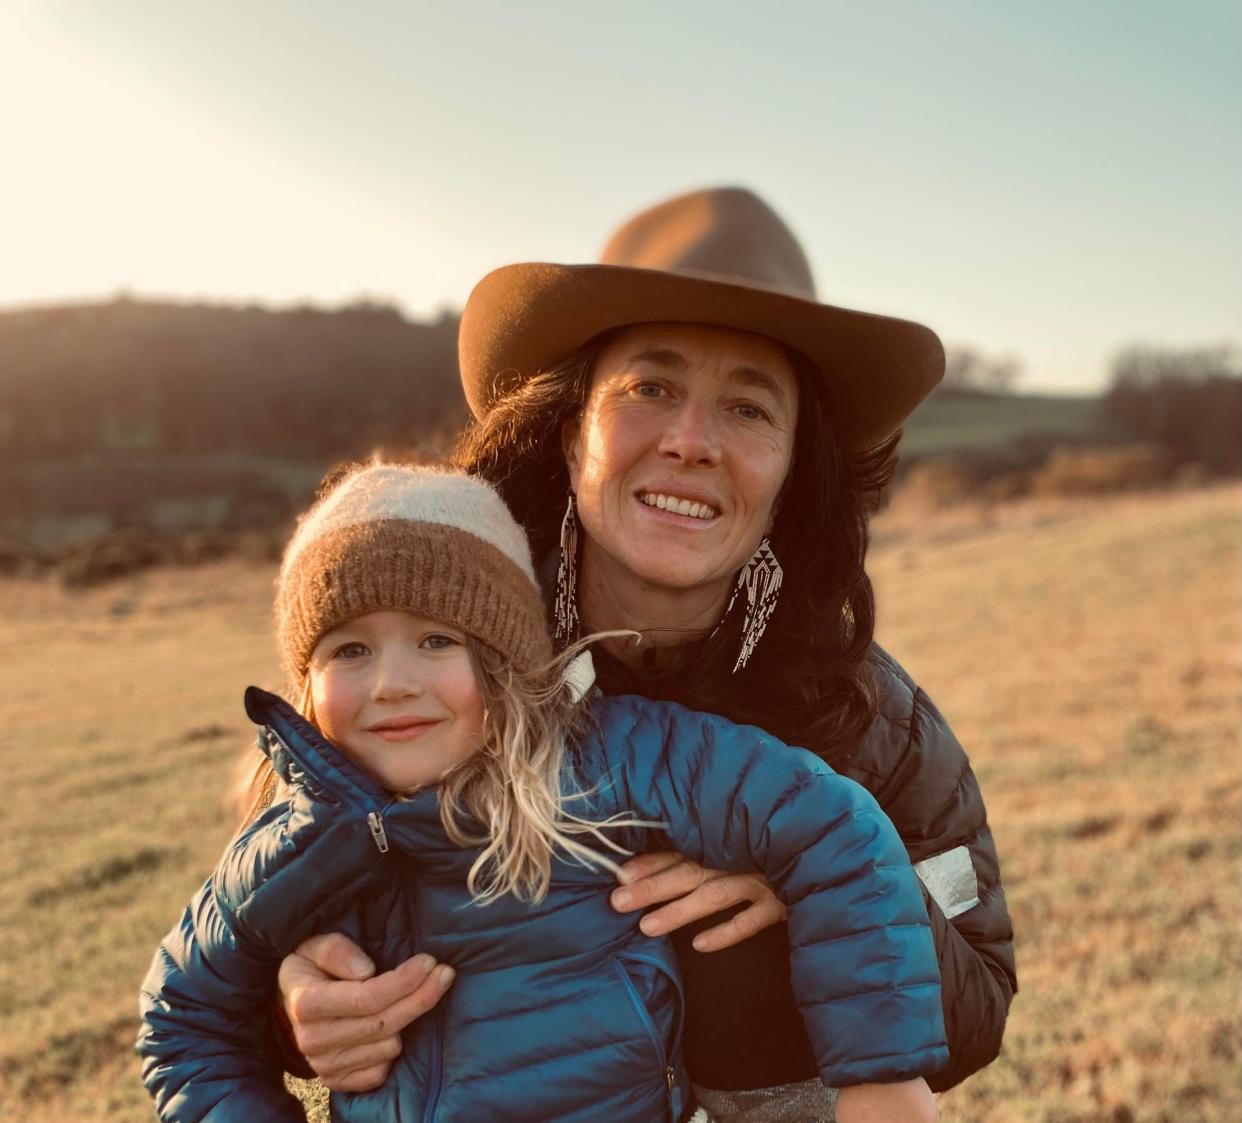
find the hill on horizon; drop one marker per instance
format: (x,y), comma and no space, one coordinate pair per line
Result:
(174,416)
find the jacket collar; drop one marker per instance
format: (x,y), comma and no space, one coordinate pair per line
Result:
(304,757)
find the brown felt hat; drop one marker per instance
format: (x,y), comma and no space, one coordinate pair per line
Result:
(720,256)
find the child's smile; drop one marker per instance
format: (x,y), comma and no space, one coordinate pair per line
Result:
(397,693)
(399,729)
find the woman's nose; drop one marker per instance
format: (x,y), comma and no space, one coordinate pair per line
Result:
(691,435)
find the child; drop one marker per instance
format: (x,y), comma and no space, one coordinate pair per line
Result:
(444,792)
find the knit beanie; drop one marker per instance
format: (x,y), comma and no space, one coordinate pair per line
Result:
(427,541)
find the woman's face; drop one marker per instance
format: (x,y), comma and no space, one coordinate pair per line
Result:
(680,452)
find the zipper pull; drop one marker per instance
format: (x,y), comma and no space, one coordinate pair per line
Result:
(376,823)
(670,1076)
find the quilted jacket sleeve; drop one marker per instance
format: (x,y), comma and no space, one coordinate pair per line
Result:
(861,957)
(921,777)
(206,1038)
(205,1042)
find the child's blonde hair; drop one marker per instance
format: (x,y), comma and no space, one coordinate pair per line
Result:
(443,545)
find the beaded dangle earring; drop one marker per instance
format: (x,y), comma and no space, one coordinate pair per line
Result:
(566,607)
(761,577)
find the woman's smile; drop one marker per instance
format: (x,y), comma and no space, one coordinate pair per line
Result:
(681,506)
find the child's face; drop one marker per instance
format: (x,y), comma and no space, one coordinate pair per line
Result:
(398,694)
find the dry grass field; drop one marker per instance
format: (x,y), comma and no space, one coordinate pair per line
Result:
(1087,654)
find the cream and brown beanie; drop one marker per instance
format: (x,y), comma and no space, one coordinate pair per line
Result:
(409,539)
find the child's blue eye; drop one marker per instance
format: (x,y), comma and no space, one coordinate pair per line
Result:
(441,642)
(351,651)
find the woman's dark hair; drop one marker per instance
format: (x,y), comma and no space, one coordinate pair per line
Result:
(809,682)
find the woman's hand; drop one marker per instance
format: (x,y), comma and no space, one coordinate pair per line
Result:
(695,892)
(346,1020)
(910,1101)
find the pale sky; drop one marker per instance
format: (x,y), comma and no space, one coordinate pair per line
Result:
(1051,179)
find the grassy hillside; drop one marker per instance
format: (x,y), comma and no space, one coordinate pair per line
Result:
(1087,655)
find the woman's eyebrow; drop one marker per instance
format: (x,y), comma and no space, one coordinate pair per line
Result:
(760,379)
(660,357)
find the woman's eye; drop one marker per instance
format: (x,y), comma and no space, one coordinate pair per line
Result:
(648,390)
(752,412)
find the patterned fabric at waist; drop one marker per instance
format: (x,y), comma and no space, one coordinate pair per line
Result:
(807,1101)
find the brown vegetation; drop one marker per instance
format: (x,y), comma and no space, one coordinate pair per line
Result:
(942,482)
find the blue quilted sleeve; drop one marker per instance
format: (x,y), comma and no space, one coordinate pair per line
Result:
(206,1039)
(732,797)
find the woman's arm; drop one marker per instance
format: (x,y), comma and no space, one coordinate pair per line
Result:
(920,774)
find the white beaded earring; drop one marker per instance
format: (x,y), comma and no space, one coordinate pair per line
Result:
(566,607)
(761,577)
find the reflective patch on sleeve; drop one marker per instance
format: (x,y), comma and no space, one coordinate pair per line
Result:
(950,879)
(580,675)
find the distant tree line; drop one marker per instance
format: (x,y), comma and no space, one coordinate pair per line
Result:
(140,377)
(1186,401)
(967,368)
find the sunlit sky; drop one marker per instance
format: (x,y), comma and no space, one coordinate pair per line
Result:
(1052,180)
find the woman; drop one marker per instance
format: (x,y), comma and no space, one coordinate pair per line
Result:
(702,441)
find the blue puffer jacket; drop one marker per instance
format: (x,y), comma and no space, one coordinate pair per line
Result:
(562,1010)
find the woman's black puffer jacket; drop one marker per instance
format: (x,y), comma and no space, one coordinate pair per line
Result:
(743,1029)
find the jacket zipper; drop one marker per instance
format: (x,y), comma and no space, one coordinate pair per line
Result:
(376,823)
(431,1106)
(670,1074)
(677,987)
(437,1076)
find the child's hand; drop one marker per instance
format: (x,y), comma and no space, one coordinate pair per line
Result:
(910,1101)
(346,1020)
(695,892)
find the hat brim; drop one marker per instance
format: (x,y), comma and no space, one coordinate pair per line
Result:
(520,319)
